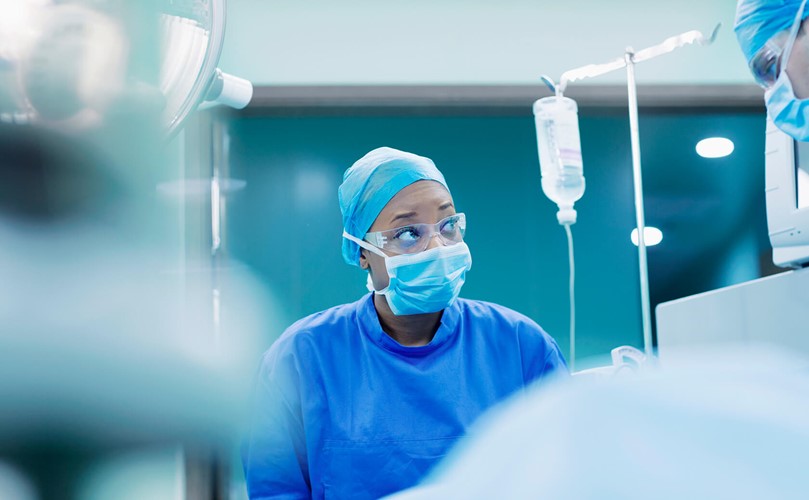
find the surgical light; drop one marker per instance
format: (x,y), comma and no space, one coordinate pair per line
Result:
(714,147)
(189,78)
(651,236)
(81,62)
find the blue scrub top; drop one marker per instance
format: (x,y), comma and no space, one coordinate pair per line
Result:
(345,411)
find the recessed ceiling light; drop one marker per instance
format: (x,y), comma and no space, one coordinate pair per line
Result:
(714,147)
(651,236)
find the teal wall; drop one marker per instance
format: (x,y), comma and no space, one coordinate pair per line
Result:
(286,223)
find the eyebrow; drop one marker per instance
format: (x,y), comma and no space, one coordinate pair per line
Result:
(412,213)
(403,215)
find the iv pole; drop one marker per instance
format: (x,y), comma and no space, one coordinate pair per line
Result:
(629,60)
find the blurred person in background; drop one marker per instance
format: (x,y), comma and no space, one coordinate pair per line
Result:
(110,341)
(773,38)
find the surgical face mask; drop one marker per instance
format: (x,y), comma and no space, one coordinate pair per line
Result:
(788,112)
(423,282)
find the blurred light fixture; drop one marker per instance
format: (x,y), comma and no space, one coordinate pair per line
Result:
(78,63)
(651,236)
(714,147)
(192,37)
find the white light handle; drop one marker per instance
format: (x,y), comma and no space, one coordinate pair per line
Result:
(229,90)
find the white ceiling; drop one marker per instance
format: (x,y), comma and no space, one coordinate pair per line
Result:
(327,42)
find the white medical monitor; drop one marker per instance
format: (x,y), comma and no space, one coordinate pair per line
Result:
(787,194)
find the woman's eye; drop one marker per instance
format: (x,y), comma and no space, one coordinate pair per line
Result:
(450,225)
(406,234)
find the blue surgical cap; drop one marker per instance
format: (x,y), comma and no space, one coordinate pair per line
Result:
(758,20)
(370,183)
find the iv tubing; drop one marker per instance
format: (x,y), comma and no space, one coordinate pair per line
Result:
(572,297)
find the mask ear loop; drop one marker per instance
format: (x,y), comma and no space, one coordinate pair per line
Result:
(793,34)
(364,244)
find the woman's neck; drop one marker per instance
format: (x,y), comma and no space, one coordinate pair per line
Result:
(409,330)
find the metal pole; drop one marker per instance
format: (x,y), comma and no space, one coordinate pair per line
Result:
(638,184)
(217,157)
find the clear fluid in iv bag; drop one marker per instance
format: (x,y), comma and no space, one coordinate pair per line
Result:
(559,147)
(564,188)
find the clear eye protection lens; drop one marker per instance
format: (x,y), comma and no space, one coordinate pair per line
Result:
(416,238)
(766,65)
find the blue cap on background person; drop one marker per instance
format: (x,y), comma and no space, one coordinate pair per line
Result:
(370,183)
(758,20)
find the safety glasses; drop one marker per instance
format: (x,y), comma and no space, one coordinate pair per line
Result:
(415,238)
(767,63)
(771,59)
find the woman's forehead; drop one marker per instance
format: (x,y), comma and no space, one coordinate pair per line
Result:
(419,195)
(421,201)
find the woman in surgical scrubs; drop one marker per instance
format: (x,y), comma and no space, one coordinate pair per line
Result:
(362,399)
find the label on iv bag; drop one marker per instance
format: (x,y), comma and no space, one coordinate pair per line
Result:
(567,153)
(559,149)
(558,139)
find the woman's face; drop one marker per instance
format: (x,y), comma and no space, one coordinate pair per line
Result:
(421,202)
